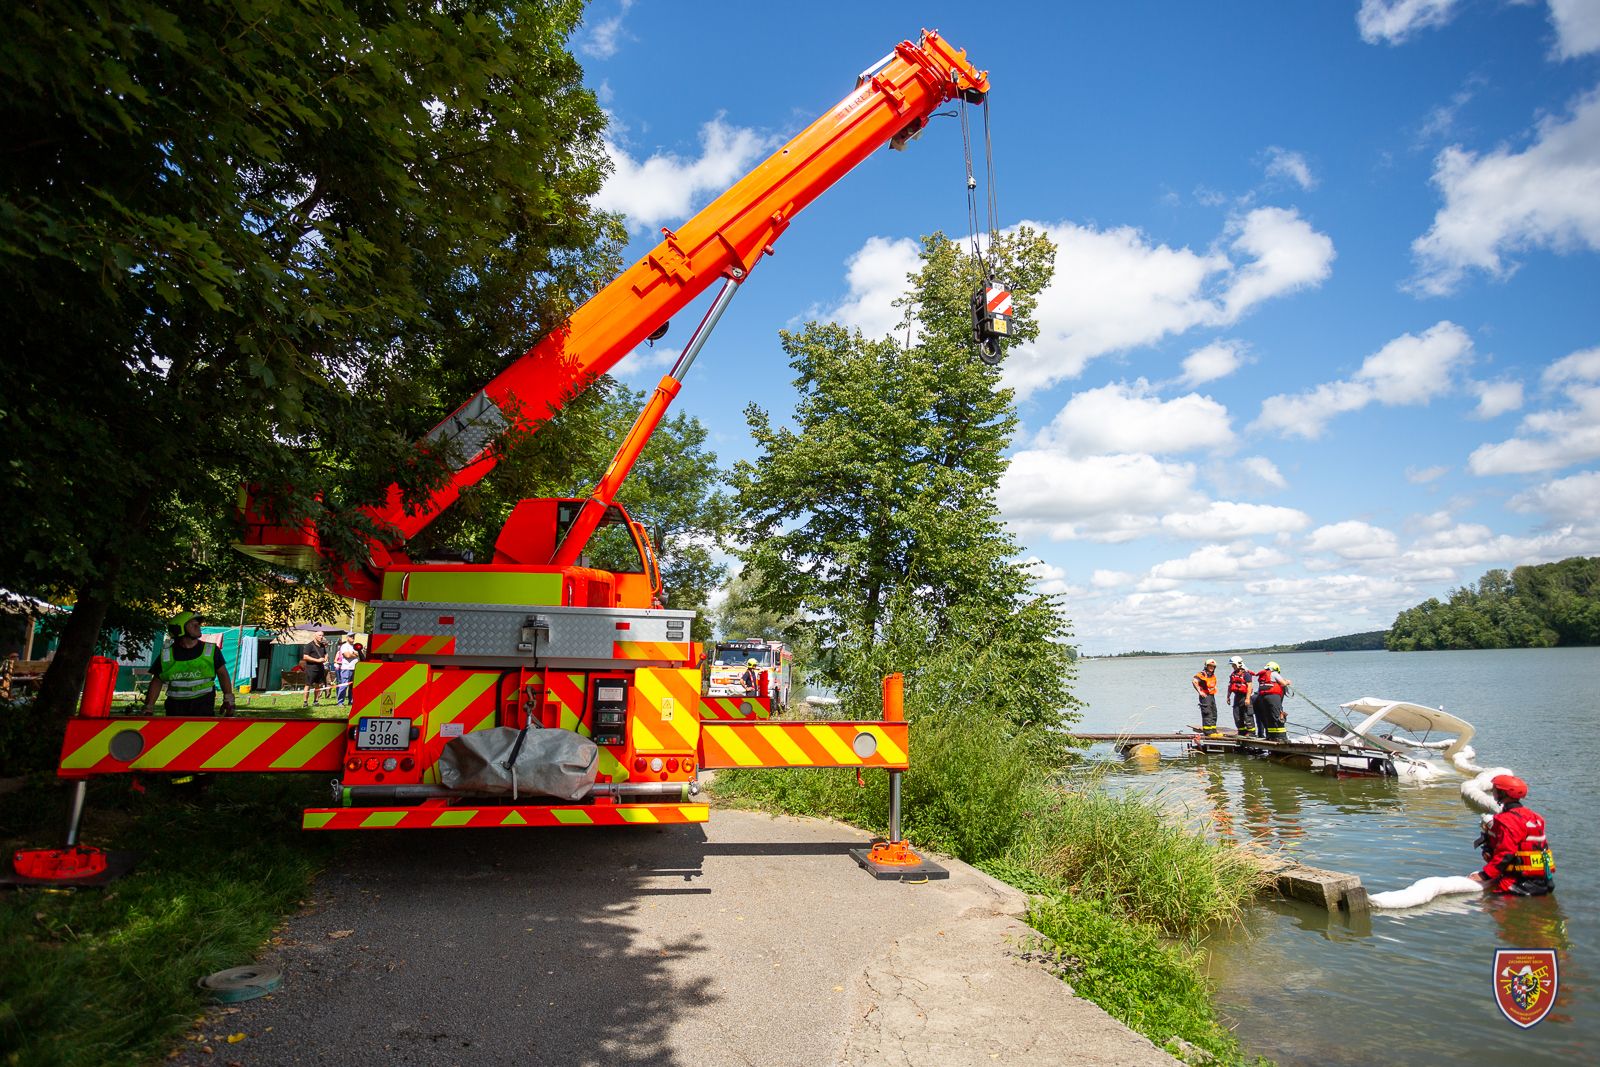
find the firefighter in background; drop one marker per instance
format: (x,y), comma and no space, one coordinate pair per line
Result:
(1270,687)
(190,670)
(751,678)
(1239,696)
(1205,684)
(1516,852)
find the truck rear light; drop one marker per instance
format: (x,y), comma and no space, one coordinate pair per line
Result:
(407,763)
(672,763)
(373,763)
(638,763)
(353,765)
(655,763)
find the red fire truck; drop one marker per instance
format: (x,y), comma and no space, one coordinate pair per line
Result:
(537,641)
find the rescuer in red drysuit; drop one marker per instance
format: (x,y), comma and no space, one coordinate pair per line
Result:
(1515,851)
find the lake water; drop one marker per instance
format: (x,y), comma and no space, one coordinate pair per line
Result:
(1412,987)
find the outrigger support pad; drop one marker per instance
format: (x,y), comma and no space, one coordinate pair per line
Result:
(893,858)
(73,864)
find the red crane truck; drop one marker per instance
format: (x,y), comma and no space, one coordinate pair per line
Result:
(536,638)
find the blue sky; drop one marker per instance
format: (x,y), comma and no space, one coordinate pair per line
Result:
(1324,337)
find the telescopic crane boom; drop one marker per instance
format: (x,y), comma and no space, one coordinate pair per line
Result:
(891,103)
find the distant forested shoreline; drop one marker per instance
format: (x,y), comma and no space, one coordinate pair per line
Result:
(1542,606)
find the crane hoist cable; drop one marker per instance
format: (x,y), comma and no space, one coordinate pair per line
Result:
(991,303)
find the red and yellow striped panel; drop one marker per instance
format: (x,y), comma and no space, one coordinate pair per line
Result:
(733,707)
(672,651)
(665,716)
(804,744)
(564,692)
(513,816)
(390,689)
(465,698)
(254,746)
(413,644)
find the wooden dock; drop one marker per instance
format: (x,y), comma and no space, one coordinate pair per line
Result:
(1234,742)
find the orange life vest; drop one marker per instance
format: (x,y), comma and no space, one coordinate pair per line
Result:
(1207,683)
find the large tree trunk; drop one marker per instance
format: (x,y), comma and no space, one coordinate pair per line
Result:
(59,689)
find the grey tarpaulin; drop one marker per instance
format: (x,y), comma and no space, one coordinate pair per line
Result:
(553,763)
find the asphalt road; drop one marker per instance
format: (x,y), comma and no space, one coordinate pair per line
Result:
(754,940)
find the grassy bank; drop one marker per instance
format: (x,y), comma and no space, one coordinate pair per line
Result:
(108,975)
(1119,892)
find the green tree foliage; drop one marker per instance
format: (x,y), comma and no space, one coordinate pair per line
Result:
(1369,640)
(873,519)
(264,241)
(740,615)
(1538,606)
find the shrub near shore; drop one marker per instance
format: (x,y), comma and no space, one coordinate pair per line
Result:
(1119,891)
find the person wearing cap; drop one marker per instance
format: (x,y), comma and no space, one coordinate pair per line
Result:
(1205,684)
(751,678)
(1516,852)
(191,671)
(1239,696)
(1270,687)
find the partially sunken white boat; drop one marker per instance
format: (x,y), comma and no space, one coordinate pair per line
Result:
(1388,739)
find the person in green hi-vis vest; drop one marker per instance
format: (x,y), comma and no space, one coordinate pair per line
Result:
(191,670)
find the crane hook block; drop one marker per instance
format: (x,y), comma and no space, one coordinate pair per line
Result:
(991,320)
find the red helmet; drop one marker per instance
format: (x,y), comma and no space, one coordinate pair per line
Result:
(1510,785)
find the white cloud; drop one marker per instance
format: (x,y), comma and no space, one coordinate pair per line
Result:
(1573,499)
(1471,546)
(1216,360)
(1104,579)
(1577,24)
(1547,440)
(1407,370)
(876,278)
(1216,562)
(1393,21)
(1282,163)
(1223,520)
(1264,472)
(1505,202)
(666,187)
(1424,475)
(1114,290)
(603,40)
(1124,417)
(1101,498)
(1581,366)
(1353,540)
(1497,398)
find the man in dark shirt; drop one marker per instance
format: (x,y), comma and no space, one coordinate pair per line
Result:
(314,662)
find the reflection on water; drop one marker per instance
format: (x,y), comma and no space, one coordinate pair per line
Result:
(1305,986)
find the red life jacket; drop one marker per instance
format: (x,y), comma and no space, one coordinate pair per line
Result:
(1518,849)
(1239,681)
(1268,683)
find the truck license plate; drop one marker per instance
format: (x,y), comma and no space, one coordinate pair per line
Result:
(383,734)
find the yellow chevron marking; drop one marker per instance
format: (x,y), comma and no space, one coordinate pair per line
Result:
(455,817)
(695,812)
(737,749)
(890,751)
(173,746)
(836,745)
(513,819)
(402,689)
(94,750)
(573,818)
(637,815)
(457,701)
(612,766)
(380,819)
(315,820)
(643,739)
(317,739)
(249,739)
(778,738)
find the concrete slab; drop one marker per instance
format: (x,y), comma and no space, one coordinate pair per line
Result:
(755,940)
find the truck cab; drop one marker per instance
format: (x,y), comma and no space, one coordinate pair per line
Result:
(774,670)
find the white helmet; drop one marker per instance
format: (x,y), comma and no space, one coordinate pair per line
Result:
(1236,661)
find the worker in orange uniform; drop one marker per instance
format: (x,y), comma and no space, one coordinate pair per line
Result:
(1516,852)
(1205,684)
(1239,696)
(1270,687)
